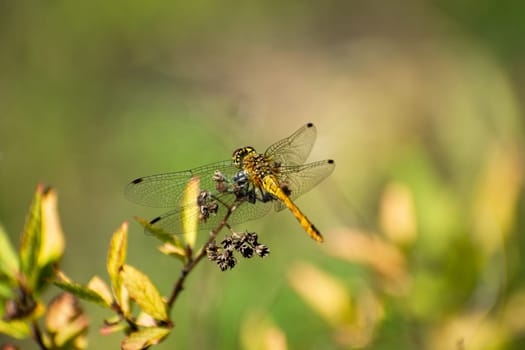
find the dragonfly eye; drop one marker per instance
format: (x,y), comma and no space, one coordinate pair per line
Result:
(240,153)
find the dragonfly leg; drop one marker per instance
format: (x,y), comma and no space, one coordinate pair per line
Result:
(266,197)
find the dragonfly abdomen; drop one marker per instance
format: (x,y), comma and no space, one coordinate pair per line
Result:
(271,185)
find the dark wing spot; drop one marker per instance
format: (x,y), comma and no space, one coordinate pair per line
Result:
(137,181)
(331,161)
(309,125)
(155,220)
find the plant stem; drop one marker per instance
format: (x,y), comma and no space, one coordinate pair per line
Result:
(193,261)
(37,335)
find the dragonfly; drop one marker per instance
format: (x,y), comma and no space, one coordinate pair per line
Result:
(252,183)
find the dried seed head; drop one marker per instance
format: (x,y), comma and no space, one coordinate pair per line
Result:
(244,243)
(261,250)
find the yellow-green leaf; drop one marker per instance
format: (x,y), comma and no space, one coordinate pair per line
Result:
(125,303)
(60,311)
(97,285)
(258,331)
(8,258)
(65,321)
(116,259)
(73,335)
(111,328)
(175,251)
(79,290)
(52,245)
(31,240)
(6,291)
(16,328)
(190,212)
(172,245)
(329,298)
(144,338)
(82,292)
(145,320)
(144,292)
(158,232)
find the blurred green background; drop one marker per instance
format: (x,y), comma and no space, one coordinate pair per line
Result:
(419,102)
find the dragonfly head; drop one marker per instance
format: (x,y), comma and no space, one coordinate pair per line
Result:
(240,153)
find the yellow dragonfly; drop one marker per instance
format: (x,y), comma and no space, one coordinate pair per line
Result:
(252,182)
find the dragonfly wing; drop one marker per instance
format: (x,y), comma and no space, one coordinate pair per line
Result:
(166,190)
(302,178)
(171,221)
(250,211)
(294,149)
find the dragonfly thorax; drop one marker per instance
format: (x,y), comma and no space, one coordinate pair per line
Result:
(253,165)
(240,153)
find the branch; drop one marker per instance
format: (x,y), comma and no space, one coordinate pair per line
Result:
(37,335)
(193,261)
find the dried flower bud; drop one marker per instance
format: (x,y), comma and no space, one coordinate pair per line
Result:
(261,250)
(244,243)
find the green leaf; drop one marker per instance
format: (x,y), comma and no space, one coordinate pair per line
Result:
(8,258)
(144,292)
(190,212)
(172,246)
(6,292)
(52,244)
(82,292)
(116,259)
(31,241)
(16,328)
(144,338)
(79,290)
(159,233)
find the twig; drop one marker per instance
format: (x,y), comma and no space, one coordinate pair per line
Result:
(37,335)
(179,285)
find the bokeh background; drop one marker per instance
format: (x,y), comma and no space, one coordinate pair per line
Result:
(419,102)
